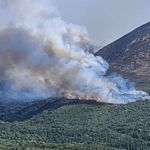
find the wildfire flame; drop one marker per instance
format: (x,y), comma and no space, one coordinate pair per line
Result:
(41,56)
(94,98)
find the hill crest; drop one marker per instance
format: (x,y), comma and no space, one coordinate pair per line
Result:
(129,56)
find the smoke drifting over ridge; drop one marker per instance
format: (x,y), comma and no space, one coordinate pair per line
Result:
(43,56)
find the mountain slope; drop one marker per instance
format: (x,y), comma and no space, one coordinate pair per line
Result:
(107,125)
(130,55)
(26,110)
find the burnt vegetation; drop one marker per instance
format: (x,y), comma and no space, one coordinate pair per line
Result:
(21,111)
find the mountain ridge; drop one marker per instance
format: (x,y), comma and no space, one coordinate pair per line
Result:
(129,56)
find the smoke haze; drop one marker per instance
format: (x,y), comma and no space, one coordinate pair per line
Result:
(43,56)
(106,20)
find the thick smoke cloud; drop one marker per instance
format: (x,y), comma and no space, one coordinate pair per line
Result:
(42,56)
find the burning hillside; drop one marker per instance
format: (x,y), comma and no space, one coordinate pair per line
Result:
(42,56)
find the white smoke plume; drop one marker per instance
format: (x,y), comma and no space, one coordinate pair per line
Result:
(42,56)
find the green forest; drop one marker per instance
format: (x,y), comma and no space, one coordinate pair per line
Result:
(78,126)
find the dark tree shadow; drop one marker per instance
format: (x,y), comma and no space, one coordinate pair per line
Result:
(25,111)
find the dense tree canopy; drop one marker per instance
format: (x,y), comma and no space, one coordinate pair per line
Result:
(104,125)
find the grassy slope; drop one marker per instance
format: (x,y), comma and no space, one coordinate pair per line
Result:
(118,126)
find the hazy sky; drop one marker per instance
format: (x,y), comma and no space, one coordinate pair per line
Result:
(106,20)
